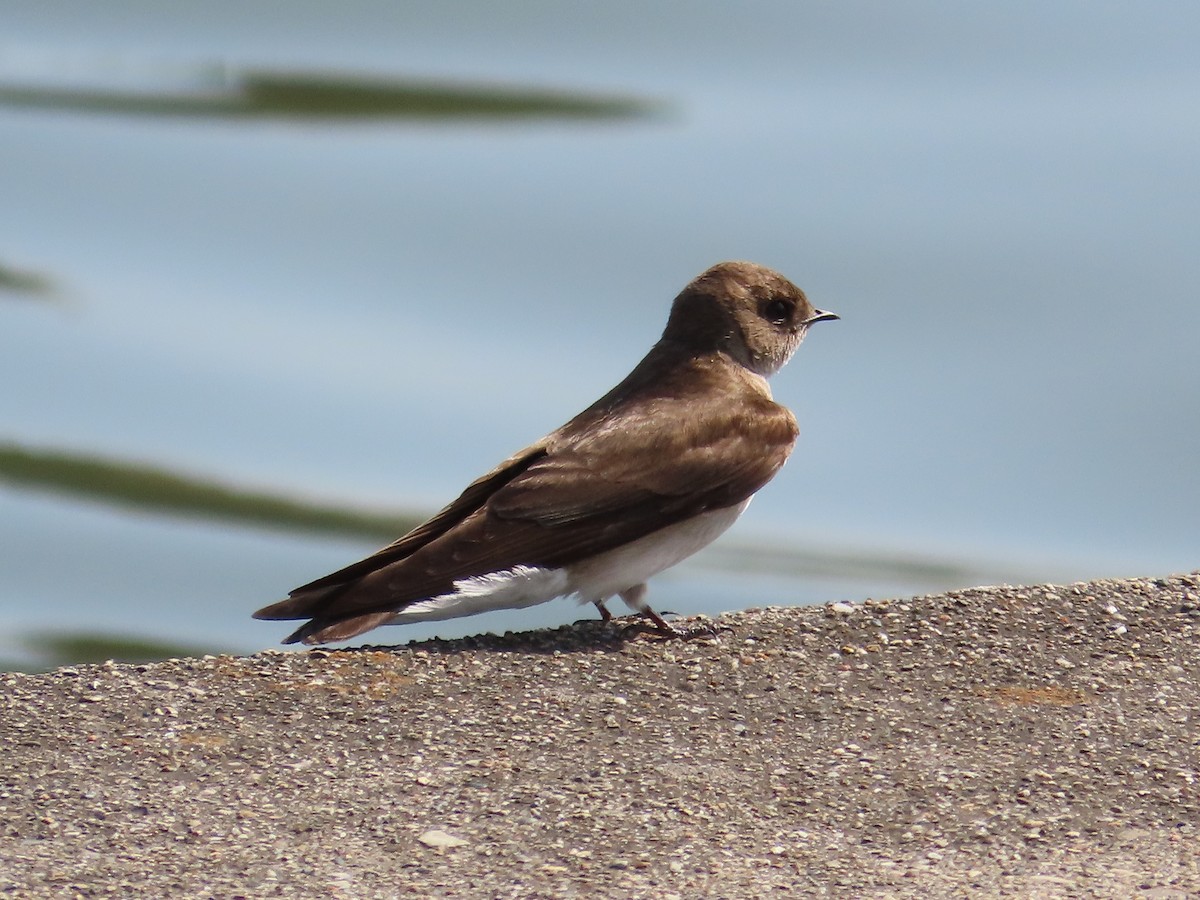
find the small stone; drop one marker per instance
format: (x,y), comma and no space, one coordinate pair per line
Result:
(441,840)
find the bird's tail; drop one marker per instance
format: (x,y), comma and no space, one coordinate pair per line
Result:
(309,604)
(323,631)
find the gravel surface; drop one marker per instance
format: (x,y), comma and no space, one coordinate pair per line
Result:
(1024,742)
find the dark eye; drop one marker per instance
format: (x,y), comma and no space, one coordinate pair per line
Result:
(777,311)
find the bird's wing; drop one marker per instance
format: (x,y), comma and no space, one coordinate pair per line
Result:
(584,491)
(648,470)
(592,492)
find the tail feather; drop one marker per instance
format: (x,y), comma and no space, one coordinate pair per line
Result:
(301,604)
(322,631)
(324,625)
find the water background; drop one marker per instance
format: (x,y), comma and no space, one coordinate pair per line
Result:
(1001,201)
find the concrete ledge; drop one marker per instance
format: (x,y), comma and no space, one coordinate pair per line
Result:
(1040,741)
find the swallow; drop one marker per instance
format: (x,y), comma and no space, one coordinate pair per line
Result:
(649,474)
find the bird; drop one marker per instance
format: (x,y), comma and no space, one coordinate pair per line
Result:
(649,474)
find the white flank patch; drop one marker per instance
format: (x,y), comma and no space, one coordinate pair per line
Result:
(623,567)
(513,588)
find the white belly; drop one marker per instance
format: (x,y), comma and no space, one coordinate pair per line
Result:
(619,569)
(597,578)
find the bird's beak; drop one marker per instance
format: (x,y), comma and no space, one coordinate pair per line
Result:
(819,315)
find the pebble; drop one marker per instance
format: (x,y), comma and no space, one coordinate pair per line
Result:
(441,840)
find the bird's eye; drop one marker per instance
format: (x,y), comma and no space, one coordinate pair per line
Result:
(777,311)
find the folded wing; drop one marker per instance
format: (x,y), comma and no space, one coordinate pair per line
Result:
(595,484)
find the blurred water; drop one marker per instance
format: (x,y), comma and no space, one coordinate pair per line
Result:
(1001,202)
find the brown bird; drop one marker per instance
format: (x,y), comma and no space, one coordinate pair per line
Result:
(647,475)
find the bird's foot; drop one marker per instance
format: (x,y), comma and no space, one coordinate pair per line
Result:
(657,626)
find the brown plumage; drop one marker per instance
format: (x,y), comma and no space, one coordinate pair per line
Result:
(691,430)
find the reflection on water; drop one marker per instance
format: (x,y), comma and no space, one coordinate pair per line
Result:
(25,283)
(140,486)
(42,651)
(222,92)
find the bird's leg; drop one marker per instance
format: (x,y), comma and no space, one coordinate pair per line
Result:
(635,597)
(605,615)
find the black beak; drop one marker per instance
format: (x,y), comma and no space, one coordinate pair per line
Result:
(819,315)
